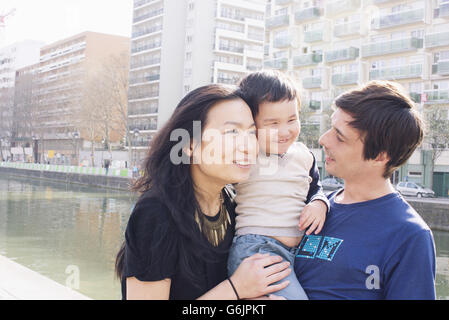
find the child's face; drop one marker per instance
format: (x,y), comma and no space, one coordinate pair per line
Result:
(277,126)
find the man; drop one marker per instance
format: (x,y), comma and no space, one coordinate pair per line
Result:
(373,244)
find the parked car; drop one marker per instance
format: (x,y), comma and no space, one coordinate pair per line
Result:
(331,183)
(414,189)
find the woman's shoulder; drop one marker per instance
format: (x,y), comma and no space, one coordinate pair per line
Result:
(149,212)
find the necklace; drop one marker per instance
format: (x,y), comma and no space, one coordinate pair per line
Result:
(214,231)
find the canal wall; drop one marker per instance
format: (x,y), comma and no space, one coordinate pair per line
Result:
(435,213)
(56,173)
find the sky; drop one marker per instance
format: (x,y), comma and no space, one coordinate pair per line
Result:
(53,20)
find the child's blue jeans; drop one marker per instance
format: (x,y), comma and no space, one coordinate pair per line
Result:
(244,246)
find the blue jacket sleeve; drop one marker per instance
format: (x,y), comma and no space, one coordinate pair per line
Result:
(316,189)
(410,272)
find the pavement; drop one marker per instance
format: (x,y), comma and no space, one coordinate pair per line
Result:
(20,283)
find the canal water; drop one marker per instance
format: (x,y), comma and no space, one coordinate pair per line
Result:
(55,228)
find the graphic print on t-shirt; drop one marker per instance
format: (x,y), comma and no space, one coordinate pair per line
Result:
(320,247)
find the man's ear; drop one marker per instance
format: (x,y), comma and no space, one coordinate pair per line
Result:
(382,158)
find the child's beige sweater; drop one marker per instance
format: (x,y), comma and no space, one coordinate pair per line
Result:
(271,200)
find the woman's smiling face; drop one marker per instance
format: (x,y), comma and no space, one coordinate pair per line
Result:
(229,143)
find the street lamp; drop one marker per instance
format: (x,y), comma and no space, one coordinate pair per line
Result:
(136,134)
(35,148)
(76,136)
(1,148)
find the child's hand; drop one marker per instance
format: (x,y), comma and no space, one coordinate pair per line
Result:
(313,215)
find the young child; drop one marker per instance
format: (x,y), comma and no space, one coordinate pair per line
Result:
(283,195)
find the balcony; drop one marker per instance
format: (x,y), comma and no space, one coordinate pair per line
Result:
(142,2)
(435,96)
(144,63)
(342,79)
(148,15)
(398,19)
(441,68)
(304,15)
(142,111)
(147,31)
(444,10)
(307,59)
(314,105)
(313,36)
(143,127)
(282,42)
(146,47)
(416,97)
(392,46)
(279,63)
(277,21)
(140,95)
(341,6)
(437,39)
(231,48)
(350,53)
(379,1)
(395,73)
(145,79)
(283,2)
(312,82)
(347,29)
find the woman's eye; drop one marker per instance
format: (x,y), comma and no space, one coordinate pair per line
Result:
(253,132)
(231,131)
(292,120)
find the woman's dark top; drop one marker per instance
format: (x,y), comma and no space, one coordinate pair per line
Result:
(151,250)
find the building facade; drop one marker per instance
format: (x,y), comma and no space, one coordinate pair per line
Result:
(178,46)
(12,58)
(336,45)
(65,121)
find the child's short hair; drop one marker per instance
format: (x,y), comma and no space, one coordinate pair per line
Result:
(267,86)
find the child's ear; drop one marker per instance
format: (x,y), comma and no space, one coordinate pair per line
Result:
(188,149)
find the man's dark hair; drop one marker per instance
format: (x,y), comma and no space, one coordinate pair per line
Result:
(387,120)
(267,86)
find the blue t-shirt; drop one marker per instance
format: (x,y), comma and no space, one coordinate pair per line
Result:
(377,249)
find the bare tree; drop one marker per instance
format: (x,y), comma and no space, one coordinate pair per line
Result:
(6,117)
(437,133)
(112,83)
(105,102)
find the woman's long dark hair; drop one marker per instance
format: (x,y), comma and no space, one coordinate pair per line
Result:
(172,183)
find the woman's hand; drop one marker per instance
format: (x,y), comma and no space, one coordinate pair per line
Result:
(255,275)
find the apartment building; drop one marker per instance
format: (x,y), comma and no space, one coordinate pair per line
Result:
(65,70)
(23,142)
(12,58)
(335,45)
(178,46)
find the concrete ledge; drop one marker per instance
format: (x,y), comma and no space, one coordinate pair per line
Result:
(20,283)
(435,214)
(111,182)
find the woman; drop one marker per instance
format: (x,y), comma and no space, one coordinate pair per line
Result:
(180,231)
